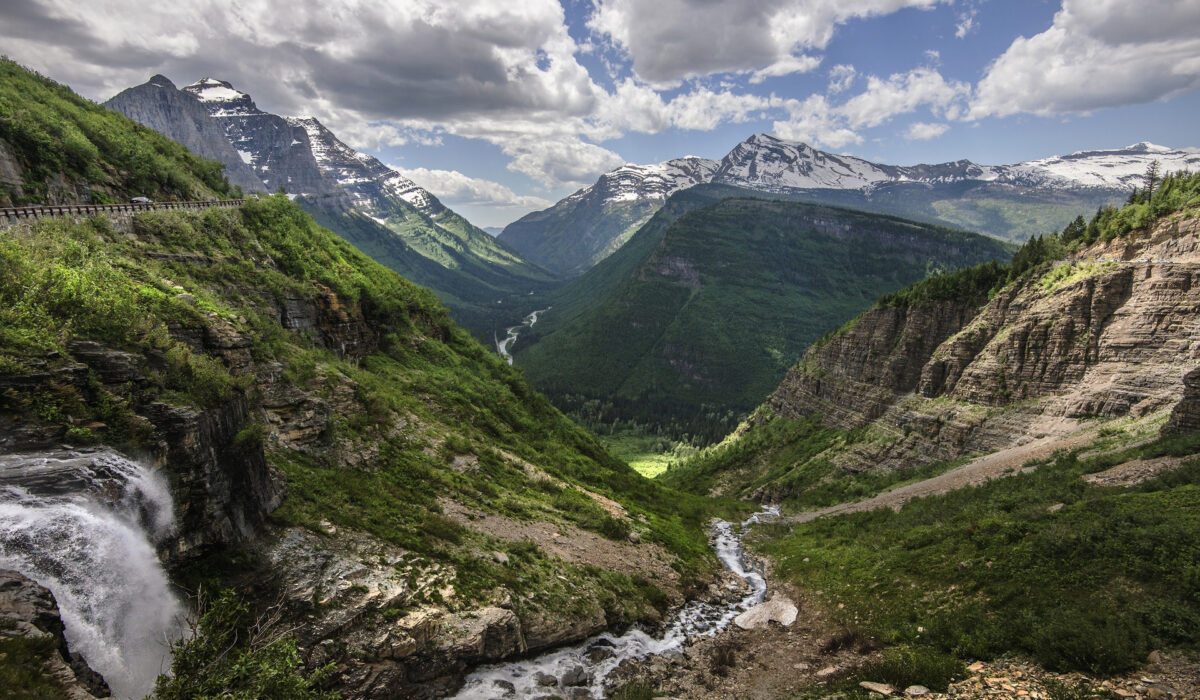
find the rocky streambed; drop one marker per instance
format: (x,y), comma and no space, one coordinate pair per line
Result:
(584,670)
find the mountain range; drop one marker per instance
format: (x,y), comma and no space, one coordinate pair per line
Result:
(387,215)
(1011,202)
(700,313)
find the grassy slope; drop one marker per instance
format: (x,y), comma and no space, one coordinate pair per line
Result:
(52,132)
(429,395)
(1092,585)
(689,351)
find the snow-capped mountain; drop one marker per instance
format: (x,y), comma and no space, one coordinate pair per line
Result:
(376,208)
(285,151)
(178,115)
(1120,169)
(1007,201)
(658,181)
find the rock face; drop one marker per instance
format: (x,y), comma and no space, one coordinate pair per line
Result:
(178,115)
(29,611)
(1090,338)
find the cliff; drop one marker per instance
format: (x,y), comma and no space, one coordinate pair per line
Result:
(1106,336)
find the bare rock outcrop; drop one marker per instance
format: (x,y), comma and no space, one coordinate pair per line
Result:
(29,611)
(1110,333)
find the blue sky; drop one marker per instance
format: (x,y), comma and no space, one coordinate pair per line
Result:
(503,108)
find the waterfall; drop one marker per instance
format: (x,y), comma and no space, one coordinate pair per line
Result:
(83,524)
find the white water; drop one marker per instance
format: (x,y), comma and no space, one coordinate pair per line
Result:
(696,619)
(83,524)
(504,347)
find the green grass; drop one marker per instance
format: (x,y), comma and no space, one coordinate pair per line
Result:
(992,570)
(649,455)
(51,131)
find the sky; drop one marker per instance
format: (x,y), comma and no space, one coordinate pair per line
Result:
(503,107)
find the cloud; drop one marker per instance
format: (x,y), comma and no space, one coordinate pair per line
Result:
(456,188)
(923,131)
(841,77)
(903,93)
(818,120)
(966,24)
(1096,54)
(671,40)
(785,66)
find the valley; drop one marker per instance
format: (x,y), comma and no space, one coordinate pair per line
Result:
(286,414)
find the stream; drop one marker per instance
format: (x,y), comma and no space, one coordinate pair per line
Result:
(504,347)
(586,665)
(84,525)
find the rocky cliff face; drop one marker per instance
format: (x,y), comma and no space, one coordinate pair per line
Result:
(1111,333)
(29,612)
(178,115)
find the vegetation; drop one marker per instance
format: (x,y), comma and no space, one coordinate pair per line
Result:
(53,133)
(1079,577)
(22,669)
(706,307)
(232,653)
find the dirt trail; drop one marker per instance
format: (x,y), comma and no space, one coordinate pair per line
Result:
(973,473)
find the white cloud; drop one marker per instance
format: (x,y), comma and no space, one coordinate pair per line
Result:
(671,40)
(1096,54)
(814,121)
(785,66)
(966,24)
(903,93)
(923,131)
(456,188)
(841,77)
(817,120)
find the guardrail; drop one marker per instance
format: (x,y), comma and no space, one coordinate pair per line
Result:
(13,215)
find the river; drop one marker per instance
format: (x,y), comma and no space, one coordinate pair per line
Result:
(586,665)
(504,347)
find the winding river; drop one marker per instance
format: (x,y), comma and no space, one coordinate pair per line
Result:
(504,347)
(587,665)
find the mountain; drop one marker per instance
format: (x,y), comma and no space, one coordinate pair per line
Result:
(396,221)
(178,115)
(583,229)
(992,453)
(699,315)
(317,435)
(1011,202)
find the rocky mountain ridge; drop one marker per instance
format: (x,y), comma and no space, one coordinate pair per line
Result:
(357,196)
(1065,185)
(1109,334)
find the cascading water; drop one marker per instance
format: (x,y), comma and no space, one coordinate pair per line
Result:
(520,679)
(83,525)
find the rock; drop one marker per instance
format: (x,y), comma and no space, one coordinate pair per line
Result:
(28,610)
(881,688)
(576,676)
(1056,507)
(779,609)
(916,691)
(580,693)
(827,671)
(634,537)
(596,654)
(545,680)
(507,687)
(500,557)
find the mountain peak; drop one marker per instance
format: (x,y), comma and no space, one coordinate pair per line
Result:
(213,90)
(1147,147)
(160,80)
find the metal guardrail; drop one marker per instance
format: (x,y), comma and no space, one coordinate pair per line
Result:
(14,214)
